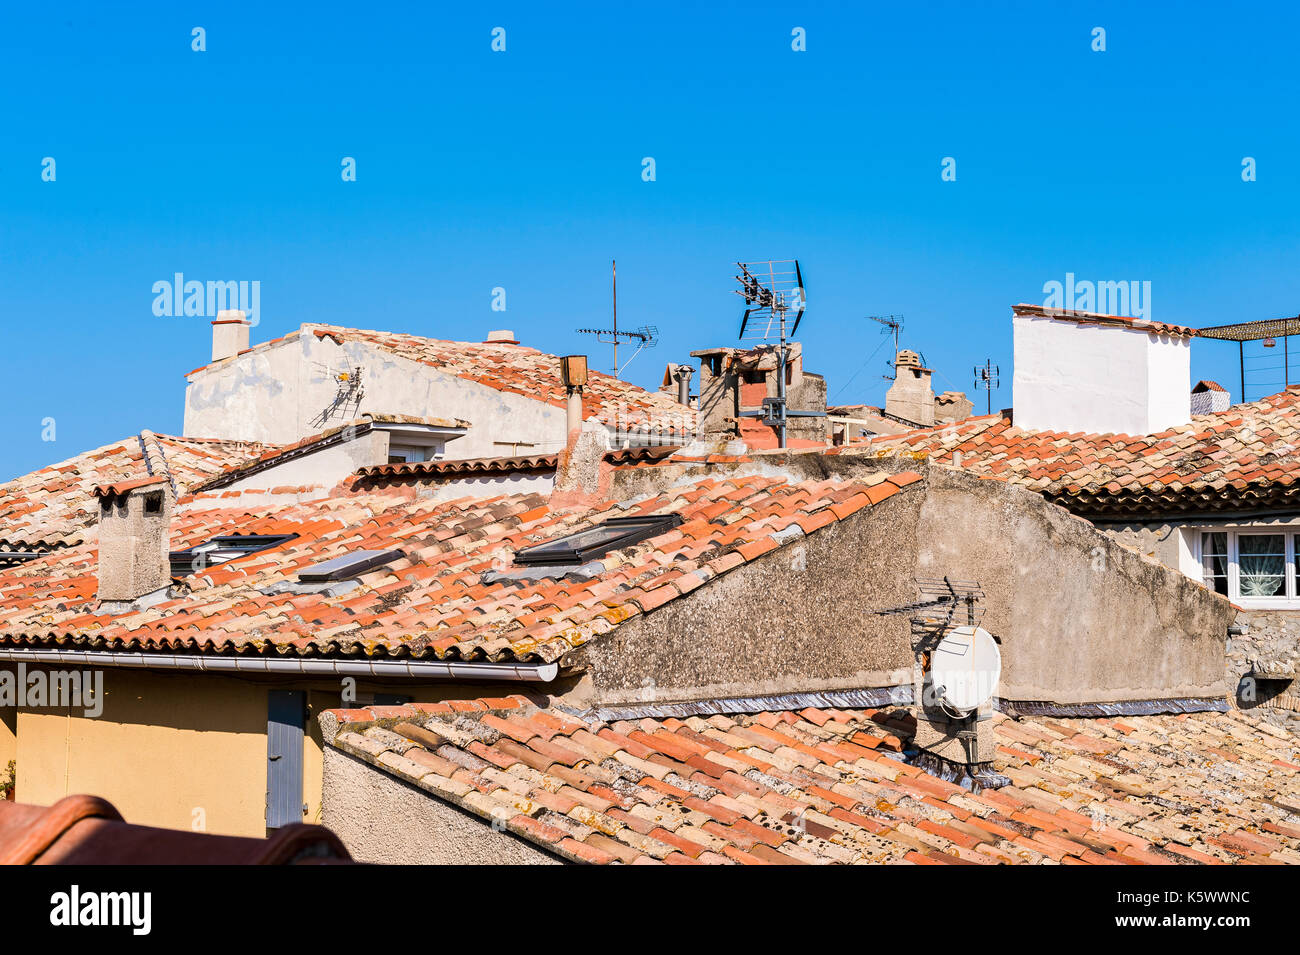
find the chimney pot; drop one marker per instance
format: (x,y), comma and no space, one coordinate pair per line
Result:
(229,334)
(684,373)
(133,538)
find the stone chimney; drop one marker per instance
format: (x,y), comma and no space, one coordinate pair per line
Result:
(910,396)
(501,336)
(229,334)
(133,538)
(1099,374)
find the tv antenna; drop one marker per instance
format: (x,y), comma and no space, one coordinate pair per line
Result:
(348,392)
(986,377)
(771,290)
(647,336)
(893,324)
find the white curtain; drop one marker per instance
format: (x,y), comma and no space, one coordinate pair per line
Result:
(1261,565)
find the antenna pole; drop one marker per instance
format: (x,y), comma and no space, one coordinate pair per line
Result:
(780,380)
(613,271)
(986,377)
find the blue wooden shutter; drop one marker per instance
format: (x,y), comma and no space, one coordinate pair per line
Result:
(286,721)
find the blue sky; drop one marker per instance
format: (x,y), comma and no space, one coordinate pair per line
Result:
(522,170)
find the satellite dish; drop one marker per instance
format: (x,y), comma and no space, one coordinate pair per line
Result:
(965,668)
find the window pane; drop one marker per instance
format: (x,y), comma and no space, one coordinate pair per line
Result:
(1261,562)
(1214,562)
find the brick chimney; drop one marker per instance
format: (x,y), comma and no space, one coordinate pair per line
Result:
(229,334)
(133,538)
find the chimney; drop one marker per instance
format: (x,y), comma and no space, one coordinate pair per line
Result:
(683,375)
(910,396)
(133,538)
(229,334)
(573,372)
(501,336)
(1209,397)
(1099,374)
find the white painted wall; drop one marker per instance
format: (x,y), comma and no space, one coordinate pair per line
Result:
(276,394)
(1098,378)
(325,467)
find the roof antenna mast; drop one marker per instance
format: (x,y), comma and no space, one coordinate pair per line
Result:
(986,377)
(894,324)
(647,336)
(771,290)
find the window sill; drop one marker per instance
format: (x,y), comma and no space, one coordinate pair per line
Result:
(1267,603)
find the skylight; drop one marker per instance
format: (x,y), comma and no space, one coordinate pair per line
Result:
(595,542)
(349,565)
(219,550)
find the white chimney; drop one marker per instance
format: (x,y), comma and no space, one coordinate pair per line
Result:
(501,336)
(229,334)
(1082,371)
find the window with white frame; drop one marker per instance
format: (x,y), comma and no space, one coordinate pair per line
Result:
(1249,564)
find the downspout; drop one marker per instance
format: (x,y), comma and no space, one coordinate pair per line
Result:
(420,669)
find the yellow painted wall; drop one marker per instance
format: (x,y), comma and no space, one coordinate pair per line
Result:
(171,750)
(177,750)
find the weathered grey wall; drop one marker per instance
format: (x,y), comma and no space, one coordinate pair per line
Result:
(1082,618)
(382,819)
(796,619)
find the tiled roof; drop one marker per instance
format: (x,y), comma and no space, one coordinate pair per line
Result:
(437,602)
(831,785)
(1248,455)
(528,372)
(1096,318)
(506,465)
(55,507)
(462,466)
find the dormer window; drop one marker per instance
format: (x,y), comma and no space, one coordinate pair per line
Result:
(596,542)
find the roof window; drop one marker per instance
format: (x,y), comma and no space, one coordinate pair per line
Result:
(349,565)
(219,550)
(596,542)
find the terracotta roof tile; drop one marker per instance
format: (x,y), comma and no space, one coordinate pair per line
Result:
(442,600)
(55,505)
(828,787)
(1247,455)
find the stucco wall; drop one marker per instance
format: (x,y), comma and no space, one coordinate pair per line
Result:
(168,743)
(165,747)
(325,467)
(1098,378)
(382,819)
(1082,618)
(793,620)
(276,393)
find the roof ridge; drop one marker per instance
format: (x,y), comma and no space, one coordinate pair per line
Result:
(155,458)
